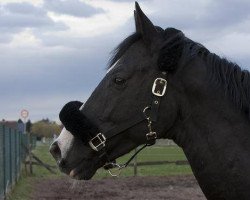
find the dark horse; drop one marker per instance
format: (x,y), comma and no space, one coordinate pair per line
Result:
(161,84)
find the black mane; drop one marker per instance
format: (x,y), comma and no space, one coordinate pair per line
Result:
(234,81)
(222,73)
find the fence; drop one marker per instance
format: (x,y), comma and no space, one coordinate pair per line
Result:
(11,155)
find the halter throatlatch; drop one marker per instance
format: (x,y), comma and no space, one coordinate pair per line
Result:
(149,113)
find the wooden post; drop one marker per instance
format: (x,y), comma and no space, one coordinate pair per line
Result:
(30,154)
(24,115)
(135,164)
(41,163)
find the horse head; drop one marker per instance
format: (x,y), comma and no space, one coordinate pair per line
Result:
(160,84)
(137,86)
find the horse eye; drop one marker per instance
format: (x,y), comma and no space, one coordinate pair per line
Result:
(119,81)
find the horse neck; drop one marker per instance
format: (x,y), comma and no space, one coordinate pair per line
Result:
(216,140)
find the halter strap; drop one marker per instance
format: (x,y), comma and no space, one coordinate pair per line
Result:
(99,141)
(158,90)
(75,118)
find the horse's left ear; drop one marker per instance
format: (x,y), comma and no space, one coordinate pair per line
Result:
(144,26)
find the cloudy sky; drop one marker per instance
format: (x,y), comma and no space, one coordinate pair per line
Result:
(54,51)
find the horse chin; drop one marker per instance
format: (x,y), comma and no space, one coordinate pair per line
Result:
(82,174)
(79,173)
(84,171)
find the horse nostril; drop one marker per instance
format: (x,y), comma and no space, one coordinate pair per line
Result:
(55,150)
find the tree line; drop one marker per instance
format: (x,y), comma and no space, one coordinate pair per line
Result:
(43,128)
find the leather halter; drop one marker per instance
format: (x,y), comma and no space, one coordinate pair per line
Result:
(150,113)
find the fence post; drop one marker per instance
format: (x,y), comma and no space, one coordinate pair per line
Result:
(30,155)
(7,171)
(24,142)
(19,152)
(135,164)
(13,157)
(2,164)
(16,156)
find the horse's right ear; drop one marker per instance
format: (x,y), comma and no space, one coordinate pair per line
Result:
(144,26)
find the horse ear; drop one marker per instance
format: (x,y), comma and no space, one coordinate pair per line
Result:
(144,26)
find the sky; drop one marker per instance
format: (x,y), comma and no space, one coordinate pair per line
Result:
(55,51)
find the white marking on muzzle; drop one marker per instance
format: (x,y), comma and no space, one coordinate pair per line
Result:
(65,142)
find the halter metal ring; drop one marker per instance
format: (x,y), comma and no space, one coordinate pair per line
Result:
(145,109)
(118,170)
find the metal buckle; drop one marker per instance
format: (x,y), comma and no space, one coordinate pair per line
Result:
(159,87)
(151,136)
(97,142)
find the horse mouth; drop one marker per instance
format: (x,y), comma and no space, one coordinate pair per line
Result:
(81,174)
(85,170)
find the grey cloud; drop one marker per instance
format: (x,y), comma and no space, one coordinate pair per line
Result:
(24,21)
(14,17)
(106,41)
(204,20)
(7,33)
(216,14)
(5,37)
(73,7)
(24,8)
(48,74)
(22,15)
(70,75)
(227,13)
(73,74)
(131,1)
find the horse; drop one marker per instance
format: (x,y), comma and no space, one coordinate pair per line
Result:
(161,84)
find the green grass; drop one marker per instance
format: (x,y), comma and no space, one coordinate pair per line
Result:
(154,153)
(24,187)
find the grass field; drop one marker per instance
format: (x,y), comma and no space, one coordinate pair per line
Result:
(154,153)
(24,186)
